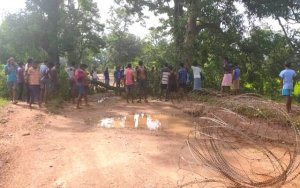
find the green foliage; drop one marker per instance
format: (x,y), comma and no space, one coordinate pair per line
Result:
(81,31)
(57,99)
(64,85)
(3,102)
(123,48)
(3,85)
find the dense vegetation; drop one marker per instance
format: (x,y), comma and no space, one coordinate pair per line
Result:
(191,30)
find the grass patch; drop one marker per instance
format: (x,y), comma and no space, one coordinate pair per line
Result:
(3,102)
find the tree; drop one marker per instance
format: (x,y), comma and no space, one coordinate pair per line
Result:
(52,11)
(123,47)
(22,35)
(81,30)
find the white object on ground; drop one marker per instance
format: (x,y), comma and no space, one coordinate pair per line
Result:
(136,120)
(152,124)
(107,123)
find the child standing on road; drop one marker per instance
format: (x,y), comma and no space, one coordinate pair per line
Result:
(287,83)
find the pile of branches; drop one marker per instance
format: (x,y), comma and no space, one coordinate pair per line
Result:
(227,149)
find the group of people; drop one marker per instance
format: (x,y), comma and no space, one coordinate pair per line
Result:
(231,78)
(36,79)
(172,82)
(39,79)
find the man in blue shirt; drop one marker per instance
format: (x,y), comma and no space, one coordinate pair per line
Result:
(287,83)
(182,79)
(45,80)
(236,79)
(118,77)
(10,70)
(106,76)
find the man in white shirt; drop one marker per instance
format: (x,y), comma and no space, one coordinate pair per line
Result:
(197,76)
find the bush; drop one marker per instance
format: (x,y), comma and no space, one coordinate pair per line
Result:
(3,86)
(64,86)
(56,101)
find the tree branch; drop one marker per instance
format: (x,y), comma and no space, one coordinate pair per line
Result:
(286,34)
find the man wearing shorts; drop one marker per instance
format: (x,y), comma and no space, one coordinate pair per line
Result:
(10,70)
(287,83)
(129,82)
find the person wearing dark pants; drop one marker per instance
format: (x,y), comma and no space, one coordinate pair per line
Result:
(129,82)
(34,84)
(142,82)
(21,80)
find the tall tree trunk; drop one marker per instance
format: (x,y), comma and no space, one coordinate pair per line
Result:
(191,33)
(178,29)
(53,18)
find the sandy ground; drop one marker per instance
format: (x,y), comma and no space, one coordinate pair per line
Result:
(69,150)
(38,149)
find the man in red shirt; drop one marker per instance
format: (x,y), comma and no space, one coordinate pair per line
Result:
(129,82)
(81,83)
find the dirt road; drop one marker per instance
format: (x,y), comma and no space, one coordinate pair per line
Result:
(71,150)
(107,144)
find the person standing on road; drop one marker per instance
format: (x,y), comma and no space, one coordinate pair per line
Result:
(173,84)
(236,79)
(182,80)
(10,70)
(81,83)
(165,73)
(142,81)
(287,83)
(106,76)
(197,76)
(227,77)
(129,82)
(27,67)
(21,80)
(95,79)
(45,81)
(34,77)
(118,77)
